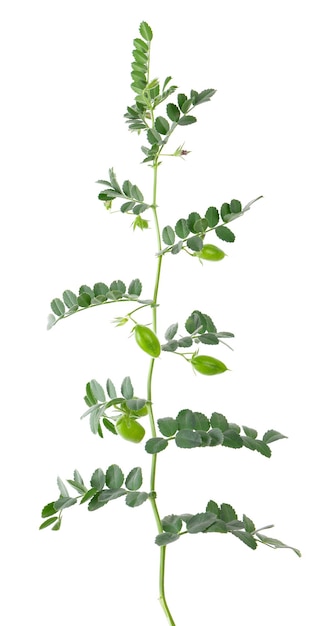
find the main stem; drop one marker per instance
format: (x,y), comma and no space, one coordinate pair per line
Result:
(150,410)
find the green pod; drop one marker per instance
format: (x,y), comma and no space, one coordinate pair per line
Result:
(209,252)
(207,365)
(147,340)
(129,429)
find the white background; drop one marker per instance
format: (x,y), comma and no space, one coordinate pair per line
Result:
(65,88)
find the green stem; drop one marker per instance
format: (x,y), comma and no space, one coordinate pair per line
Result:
(150,410)
(138,309)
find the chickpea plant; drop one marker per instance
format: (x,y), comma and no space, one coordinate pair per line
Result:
(122,412)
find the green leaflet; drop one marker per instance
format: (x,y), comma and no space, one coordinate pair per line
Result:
(168,235)
(212,216)
(276,543)
(246,538)
(156,445)
(107,495)
(58,307)
(48,510)
(146,31)
(127,389)
(168,426)
(110,388)
(64,503)
(62,488)
(171,331)
(98,479)
(248,524)
(162,125)
(97,391)
(135,287)
(182,228)
(172,523)
(134,479)
(185,120)
(200,522)
(136,498)
(187,438)
(173,112)
(48,522)
(224,233)
(272,435)
(114,477)
(165,538)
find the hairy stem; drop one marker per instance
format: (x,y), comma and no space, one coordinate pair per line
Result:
(151,413)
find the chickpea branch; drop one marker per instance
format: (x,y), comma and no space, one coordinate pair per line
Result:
(122,413)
